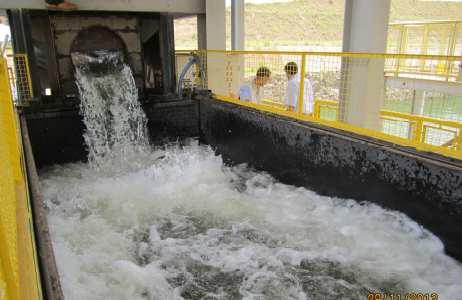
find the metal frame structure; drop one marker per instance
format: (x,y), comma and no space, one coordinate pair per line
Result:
(402,31)
(419,124)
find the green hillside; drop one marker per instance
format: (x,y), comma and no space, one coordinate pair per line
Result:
(315,22)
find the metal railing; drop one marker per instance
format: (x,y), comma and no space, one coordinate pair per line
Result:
(350,91)
(19,278)
(427,38)
(194,77)
(416,127)
(20,79)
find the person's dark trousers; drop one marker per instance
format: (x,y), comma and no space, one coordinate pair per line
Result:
(54,2)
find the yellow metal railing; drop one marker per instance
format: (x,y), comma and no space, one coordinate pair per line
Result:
(329,106)
(19,278)
(426,38)
(20,79)
(417,130)
(349,91)
(194,77)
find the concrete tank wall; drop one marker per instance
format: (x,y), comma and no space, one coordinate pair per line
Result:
(67,27)
(330,162)
(340,165)
(56,136)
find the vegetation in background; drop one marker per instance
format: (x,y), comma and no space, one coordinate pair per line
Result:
(318,25)
(311,23)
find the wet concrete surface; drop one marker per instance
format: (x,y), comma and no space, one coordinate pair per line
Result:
(339,164)
(426,187)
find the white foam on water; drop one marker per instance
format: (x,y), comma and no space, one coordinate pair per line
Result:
(172,223)
(112,114)
(182,224)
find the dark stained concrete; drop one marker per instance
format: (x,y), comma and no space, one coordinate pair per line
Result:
(57,135)
(172,120)
(340,165)
(427,187)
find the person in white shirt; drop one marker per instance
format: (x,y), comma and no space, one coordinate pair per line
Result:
(253,91)
(293,90)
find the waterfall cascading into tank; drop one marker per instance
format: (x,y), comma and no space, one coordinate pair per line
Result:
(114,119)
(176,222)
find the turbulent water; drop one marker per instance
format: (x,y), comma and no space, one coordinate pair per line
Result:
(109,105)
(175,222)
(185,225)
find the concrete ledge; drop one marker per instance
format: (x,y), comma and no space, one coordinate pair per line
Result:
(178,6)
(339,164)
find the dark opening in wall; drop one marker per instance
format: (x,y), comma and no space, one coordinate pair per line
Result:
(52,36)
(97,38)
(103,46)
(150,40)
(152,64)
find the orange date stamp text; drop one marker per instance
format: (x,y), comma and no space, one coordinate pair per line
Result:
(402,296)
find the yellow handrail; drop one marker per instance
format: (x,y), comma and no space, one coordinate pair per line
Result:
(337,54)
(449,123)
(340,76)
(447,151)
(432,22)
(425,37)
(20,78)
(19,278)
(418,121)
(320,104)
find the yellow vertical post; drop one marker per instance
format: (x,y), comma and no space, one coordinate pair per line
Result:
(29,80)
(424,49)
(402,46)
(418,131)
(452,45)
(302,86)
(451,50)
(458,140)
(203,68)
(317,110)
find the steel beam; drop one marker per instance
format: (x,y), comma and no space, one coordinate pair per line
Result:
(171,6)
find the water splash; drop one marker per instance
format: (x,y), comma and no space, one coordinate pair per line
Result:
(176,223)
(184,225)
(114,120)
